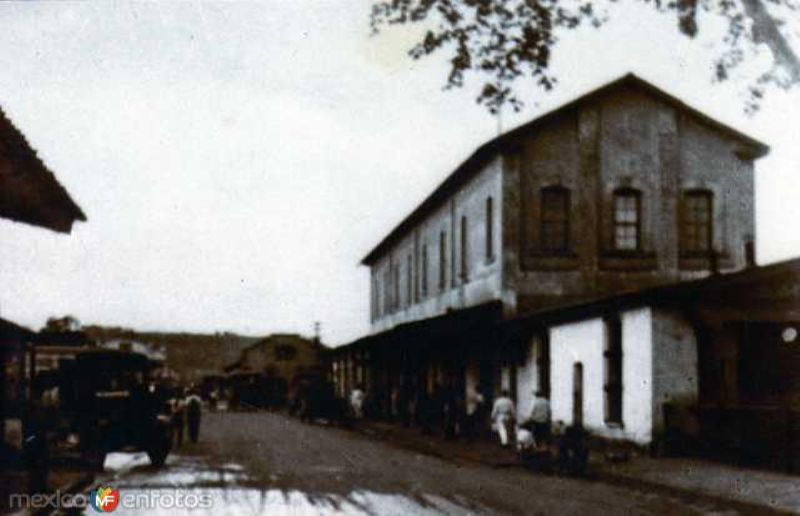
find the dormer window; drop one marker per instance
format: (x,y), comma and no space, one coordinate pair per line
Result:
(627,220)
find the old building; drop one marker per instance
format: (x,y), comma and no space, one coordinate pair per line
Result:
(29,194)
(707,365)
(624,189)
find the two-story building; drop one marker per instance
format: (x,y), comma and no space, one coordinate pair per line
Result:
(623,189)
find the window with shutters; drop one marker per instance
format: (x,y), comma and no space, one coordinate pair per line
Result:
(627,220)
(697,222)
(554,220)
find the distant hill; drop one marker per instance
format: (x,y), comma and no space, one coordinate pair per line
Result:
(191,355)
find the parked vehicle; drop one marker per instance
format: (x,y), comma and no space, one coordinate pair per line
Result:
(106,401)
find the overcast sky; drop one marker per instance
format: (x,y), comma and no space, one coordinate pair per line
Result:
(237,160)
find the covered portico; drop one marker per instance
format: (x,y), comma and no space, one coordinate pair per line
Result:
(412,361)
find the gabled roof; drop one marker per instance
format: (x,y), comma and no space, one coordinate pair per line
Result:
(277,339)
(750,147)
(12,334)
(29,192)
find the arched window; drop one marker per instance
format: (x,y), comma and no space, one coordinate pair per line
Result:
(627,219)
(554,219)
(697,222)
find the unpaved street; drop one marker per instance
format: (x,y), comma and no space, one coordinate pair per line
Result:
(267,463)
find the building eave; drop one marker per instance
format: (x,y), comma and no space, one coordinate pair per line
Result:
(29,191)
(748,148)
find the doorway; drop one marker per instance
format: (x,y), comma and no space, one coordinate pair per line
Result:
(577,394)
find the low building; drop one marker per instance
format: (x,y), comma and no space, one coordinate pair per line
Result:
(29,194)
(714,361)
(269,371)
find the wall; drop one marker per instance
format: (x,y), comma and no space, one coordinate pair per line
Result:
(261,357)
(637,375)
(528,378)
(571,343)
(675,363)
(584,341)
(483,281)
(626,138)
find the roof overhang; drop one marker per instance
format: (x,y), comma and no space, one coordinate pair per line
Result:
(747,148)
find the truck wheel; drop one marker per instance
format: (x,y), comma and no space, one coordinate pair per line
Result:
(94,458)
(158,456)
(160,448)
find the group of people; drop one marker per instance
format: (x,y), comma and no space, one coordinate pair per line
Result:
(186,411)
(535,428)
(466,414)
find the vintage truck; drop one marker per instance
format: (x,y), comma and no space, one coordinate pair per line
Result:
(106,400)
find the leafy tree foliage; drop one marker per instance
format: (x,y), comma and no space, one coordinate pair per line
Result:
(507,40)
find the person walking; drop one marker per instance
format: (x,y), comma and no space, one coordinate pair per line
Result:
(178,419)
(540,418)
(357,402)
(503,416)
(194,410)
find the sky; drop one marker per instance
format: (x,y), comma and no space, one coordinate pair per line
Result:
(237,160)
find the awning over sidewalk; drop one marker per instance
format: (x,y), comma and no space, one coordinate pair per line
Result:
(451,332)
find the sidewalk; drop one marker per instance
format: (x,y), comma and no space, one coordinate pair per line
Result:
(748,486)
(751,489)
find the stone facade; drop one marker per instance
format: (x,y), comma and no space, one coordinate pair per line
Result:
(626,137)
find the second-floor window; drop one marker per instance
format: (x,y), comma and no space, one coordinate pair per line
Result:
(464,241)
(697,222)
(442,261)
(409,281)
(376,311)
(396,287)
(424,270)
(554,231)
(627,220)
(285,353)
(387,291)
(489,229)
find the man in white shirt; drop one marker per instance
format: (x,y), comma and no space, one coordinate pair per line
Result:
(503,415)
(357,402)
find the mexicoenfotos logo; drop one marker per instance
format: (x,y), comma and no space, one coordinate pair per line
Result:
(104,499)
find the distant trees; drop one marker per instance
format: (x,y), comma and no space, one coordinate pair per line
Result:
(64,324)
(508,40)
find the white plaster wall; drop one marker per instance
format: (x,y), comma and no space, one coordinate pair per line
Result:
(637,375)
(528,379)
(570,343)
(584,341)
(484,281)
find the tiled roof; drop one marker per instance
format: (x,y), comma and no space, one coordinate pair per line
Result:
(29,192)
